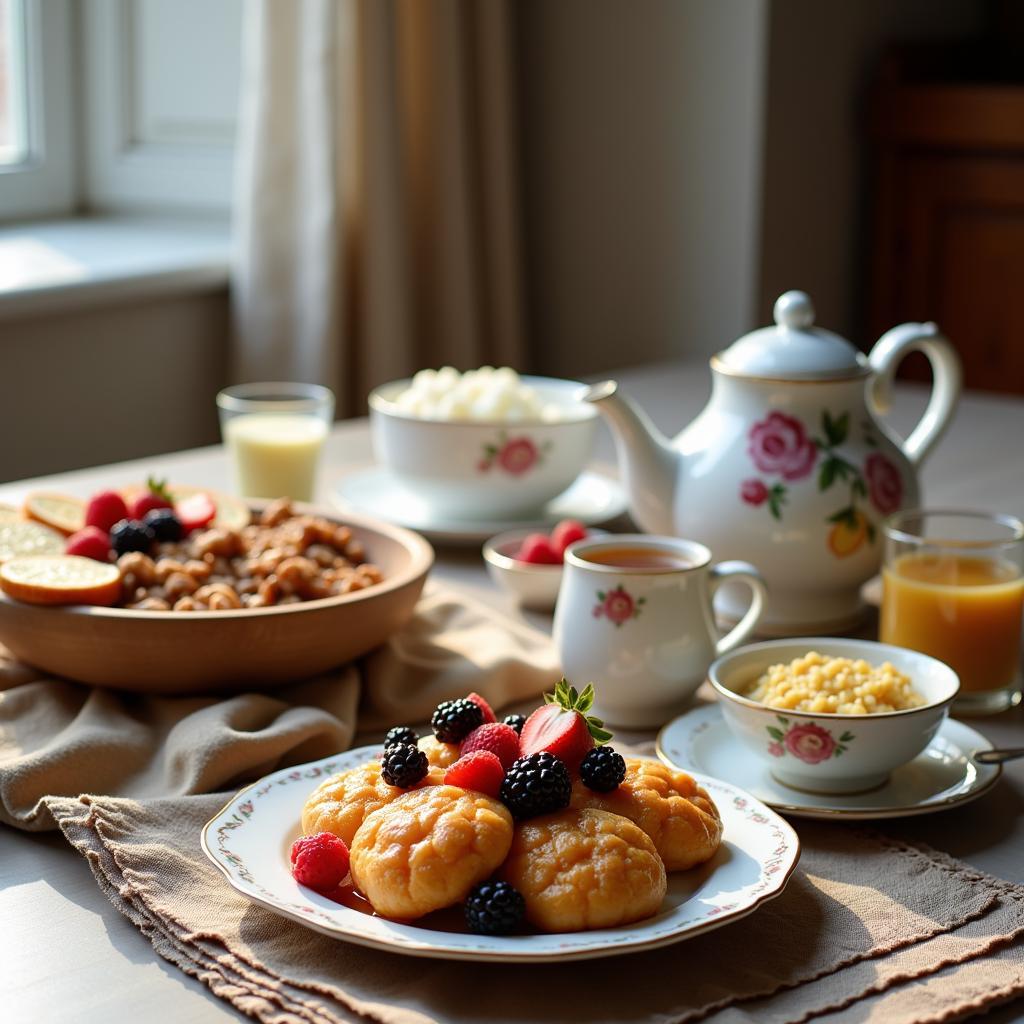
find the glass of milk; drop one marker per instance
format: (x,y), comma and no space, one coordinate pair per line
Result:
(274,433)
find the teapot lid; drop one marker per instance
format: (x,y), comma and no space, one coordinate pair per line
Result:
(793,348)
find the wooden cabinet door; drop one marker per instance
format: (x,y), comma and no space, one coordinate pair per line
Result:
(951,249)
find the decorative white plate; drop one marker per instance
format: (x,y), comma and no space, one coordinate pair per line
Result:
(250,838)
(941,776)
(592,499)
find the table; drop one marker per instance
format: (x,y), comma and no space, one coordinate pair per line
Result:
(63,945)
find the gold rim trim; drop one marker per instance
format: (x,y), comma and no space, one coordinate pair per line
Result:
(434,953)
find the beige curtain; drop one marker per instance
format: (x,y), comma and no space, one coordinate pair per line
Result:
(377,199)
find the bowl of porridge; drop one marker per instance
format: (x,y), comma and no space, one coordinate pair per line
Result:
(833,715)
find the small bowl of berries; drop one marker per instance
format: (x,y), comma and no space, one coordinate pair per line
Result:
(528,563)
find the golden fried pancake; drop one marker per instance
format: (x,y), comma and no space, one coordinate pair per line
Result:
(668,805)
(585,869)
(428,848)
(440,755)
(341,803)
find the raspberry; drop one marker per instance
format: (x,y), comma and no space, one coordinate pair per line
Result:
(500,739)
(485,708)
(90,542)
(567,532)
(537,549)
(602,769)
(403,765)
(481,770)
(105,509)
(454,720)
(516,721)
(494,908)
(319,861)
(536,784)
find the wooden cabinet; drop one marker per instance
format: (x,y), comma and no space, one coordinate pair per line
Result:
(948,221)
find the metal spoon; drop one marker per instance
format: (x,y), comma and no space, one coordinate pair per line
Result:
(997,756)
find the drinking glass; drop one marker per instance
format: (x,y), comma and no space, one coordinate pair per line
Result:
(274,434)
(953,587)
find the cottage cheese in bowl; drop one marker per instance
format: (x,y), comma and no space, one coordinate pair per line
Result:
(482,444)
(484,394)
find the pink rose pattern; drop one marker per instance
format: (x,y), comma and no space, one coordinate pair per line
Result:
(618,605)
(513,455)
(885,485)
(781,446)
(808,741)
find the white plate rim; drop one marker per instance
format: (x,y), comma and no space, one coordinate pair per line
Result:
(475,531)
(775,870)
(709,713)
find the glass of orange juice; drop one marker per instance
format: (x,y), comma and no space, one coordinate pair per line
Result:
(953,587)
(274,434)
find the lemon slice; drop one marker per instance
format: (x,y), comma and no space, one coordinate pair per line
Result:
(23,537)
(60,579)
(59,511)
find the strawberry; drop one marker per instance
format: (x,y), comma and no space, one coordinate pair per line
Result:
(89,542)
(481,770)
(567,532)
(156,495)
(536,548)
(481,703)
(195,511)
(105,509)
(563,727)
(500,739)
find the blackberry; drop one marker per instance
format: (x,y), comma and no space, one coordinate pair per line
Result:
(494,908)
(164,523)
(602,769)
(454,720)
(400,734)
(536,784)
(131,535)
(403,765)
(516,721)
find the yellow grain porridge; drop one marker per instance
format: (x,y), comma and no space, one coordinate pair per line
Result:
(838,686)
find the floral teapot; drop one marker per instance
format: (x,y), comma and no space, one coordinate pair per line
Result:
(788,466)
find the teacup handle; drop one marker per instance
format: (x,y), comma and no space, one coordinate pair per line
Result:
(745,573)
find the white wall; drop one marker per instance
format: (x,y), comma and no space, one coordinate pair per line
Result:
(641,131)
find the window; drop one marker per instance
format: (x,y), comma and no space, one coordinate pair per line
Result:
(117,105)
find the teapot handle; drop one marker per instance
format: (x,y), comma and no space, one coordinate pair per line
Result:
(885,357)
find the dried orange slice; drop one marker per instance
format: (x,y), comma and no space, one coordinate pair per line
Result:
(60,511)
(23,537)
(60,579)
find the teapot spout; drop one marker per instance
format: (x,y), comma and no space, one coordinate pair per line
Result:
(648,463)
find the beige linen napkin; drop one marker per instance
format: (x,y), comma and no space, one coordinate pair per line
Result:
(858,934)
(61,739)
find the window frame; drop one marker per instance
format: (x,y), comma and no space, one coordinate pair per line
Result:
(45,181)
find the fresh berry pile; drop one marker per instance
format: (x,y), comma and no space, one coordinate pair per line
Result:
(549,549)
(454,720)
(114,527)
(403,765)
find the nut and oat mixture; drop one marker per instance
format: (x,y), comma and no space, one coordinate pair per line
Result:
(838,686)
(280,558)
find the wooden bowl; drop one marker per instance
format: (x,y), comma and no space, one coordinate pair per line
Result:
(194,652)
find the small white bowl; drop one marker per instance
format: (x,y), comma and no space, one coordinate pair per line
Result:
(832,753)
(479,469)
(536,586)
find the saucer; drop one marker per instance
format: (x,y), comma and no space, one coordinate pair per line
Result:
(592,499)
(941,776)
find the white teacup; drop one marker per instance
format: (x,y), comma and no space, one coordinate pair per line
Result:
(634,617)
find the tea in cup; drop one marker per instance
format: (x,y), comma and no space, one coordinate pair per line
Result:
(635,617)
(953,587)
